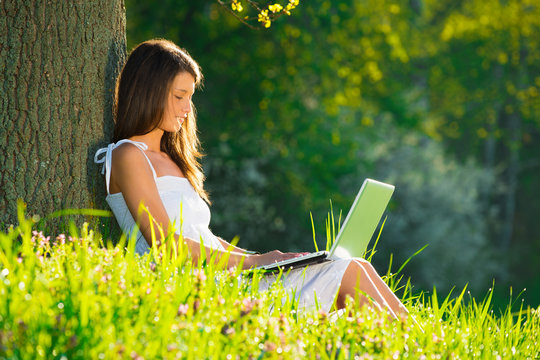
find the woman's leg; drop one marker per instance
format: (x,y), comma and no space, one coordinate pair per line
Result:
(392,300)
(357,281)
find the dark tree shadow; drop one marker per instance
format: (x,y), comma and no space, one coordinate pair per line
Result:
(107,226)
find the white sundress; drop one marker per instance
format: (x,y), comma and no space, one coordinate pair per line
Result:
(191,217)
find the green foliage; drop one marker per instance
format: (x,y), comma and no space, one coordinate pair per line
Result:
(291,118)
(438,202)
(71,298)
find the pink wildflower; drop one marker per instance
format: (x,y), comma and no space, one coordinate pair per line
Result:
(182,309)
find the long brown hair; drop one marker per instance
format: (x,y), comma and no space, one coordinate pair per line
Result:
(142,90)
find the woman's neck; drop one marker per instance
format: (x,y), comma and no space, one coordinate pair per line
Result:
(152,139)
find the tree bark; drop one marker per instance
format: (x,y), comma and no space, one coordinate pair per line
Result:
(514,129)
(59,61)
(515,124)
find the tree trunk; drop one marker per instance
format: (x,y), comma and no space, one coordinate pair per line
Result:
(59,61)
(511,180)
(514,147)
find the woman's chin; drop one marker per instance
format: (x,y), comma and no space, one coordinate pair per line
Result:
(178,125)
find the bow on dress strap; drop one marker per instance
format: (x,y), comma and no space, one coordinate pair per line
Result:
(104,156)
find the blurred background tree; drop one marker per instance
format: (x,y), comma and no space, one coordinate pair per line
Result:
(440,98)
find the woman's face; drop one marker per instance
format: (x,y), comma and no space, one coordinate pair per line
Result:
(179,102)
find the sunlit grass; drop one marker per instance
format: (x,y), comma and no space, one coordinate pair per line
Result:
(73,296)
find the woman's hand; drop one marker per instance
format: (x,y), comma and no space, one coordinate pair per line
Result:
(270,257)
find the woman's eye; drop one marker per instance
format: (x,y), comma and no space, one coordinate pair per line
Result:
(179,97)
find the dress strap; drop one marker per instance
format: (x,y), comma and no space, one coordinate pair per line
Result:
(104,156)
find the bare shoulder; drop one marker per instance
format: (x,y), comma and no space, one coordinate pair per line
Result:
(127,154)
(129,166)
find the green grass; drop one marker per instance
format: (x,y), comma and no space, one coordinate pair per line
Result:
(76,298)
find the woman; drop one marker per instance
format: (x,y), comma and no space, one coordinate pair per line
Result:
(154,161)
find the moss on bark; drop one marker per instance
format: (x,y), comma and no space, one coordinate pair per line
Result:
(59,61)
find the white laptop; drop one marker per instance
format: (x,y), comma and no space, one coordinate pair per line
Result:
(356,232)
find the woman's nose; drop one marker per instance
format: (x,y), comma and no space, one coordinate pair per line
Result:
(187,107)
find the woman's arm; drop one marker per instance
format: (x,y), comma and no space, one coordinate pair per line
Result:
(256,258)
(227,245)
(235,258)
(131,175)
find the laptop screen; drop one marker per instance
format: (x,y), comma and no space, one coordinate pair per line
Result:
(362,219)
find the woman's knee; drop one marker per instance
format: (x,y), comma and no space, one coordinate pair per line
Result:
(351,282)
(365,264)
(355,274)
(361,261)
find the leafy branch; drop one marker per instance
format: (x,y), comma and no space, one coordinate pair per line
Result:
(258,14)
